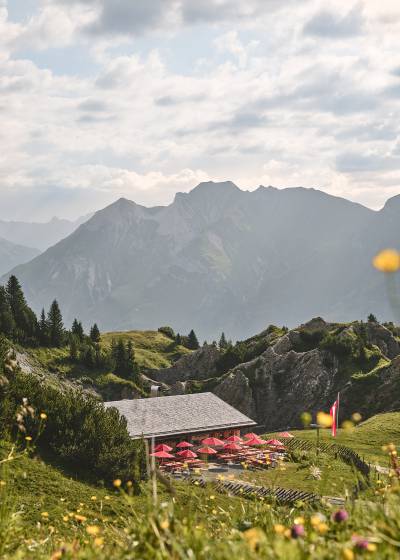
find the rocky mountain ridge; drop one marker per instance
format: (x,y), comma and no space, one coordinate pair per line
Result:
(303,370)
(219,258)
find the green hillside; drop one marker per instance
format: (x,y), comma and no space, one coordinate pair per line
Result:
(153,349)
(367,438)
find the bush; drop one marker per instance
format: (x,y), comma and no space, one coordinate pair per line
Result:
(168,331)
(79,430)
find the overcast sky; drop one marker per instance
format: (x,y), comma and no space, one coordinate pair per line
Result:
(142,98)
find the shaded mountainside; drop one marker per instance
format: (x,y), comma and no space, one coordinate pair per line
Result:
(219,258)
(12,254)
(288,373)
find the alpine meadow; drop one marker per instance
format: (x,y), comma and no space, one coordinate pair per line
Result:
(199,280)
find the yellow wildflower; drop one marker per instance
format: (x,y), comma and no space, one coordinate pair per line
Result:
(387,260)
(129,484)
(94,498)
(80,518)
(28,438)
(306,418)
(254,537)
(65,518)
(43,415)
(322,528)
(117,482)
(347,554)
(356,417)
(98,541)
(44,514)
(371,547)
(299,521)
(107,498)
(93,530)
(212,497)
(164,524)
(347,425)
(279,529)
(2,483)
(325,420)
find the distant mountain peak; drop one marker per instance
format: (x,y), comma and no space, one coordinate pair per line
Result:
(392,204)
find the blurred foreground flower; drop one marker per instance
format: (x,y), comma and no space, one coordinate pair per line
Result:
(324,420)
(254,537)
(387,260)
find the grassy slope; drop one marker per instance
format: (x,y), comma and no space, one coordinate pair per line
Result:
(367,438)
(153,349)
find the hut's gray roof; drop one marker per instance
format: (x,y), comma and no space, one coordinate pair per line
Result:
(180,414)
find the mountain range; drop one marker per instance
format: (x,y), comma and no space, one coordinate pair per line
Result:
(219,259)
(40,236)
(12,254)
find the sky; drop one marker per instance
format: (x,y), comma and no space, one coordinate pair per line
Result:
(143,98)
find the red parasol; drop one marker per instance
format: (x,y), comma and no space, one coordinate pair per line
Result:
(232,447)
(184,444)
(162,455)
(162,447)
(206,450)
(256,441)
(234,439)
(275,443)
(187,454)
(213,441)
(250,435)
(286,435)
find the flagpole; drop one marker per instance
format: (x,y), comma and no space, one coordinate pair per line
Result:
(337,409)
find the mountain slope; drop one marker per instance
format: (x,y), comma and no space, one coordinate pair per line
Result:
(219,258)
(12,255)
(39,235)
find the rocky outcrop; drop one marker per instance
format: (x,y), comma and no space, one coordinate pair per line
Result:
(280,386)
(383,338)
(199,365)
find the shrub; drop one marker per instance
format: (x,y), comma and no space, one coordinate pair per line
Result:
(168,331)
(79,429)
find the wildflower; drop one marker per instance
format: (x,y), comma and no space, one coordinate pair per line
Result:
(325,420)
(299,521)
(117,482)
(254,537)
(322,528)
(164,524)
(387,261)
(212,497)
(347,425)
(347,554)
(316,519)
(214,512)
(340,515)
(43,415)
(28,438)
(93,530)
(297,531)
(306,419)
(107,498)
(65,518)
(279,528)
(98,541)
(129,484)
(2,483)
(93,498)
(356,417)
(80,518)
(44,514)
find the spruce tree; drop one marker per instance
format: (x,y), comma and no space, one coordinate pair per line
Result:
(73,348)
(7,324)
(120,358)
(131,366)
(95,334)
(222,342)
(24,318)
(77,330)
(178,339)
(372,318)
(56,326)
(193,343)
(43,329)
(3,353)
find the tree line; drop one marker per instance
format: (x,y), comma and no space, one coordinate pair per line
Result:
(19,323)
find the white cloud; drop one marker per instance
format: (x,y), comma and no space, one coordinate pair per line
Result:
(267,104)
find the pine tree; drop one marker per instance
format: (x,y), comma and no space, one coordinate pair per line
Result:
(222,342)
(56,327)
(73,348)
(24,318)
(77,330)
(372,318)
(3,353)
(7,324)
(131,366)
(178,339)
(95,334)
(120,358)
(193,343)
(43,330)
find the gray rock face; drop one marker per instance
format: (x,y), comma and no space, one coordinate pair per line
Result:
(382,337)
(219,258)
(280,386)
(199,365)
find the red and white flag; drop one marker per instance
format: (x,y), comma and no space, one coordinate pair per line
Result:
(334,412)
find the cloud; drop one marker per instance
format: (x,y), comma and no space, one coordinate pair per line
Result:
(93,105)
(326,24)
